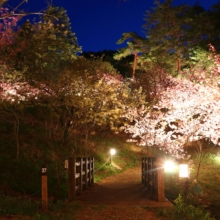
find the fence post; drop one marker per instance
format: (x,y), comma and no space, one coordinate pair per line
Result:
(155,177)
(71,178)
(81,175)
(143,170)
(150,173)
(85,179)
(44,188)
(92,167)
(160,180)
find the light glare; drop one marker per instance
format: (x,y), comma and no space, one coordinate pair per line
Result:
(169,166)
(112,152)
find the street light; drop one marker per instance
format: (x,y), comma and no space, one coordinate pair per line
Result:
(112,153)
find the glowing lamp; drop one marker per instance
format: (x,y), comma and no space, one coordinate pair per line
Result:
(112,152)
(218,157)
(169,166)
(183,171)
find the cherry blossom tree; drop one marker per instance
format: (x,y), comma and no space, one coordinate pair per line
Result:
(186,112)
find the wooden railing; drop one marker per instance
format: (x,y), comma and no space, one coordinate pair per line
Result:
(153,177)
(80,175)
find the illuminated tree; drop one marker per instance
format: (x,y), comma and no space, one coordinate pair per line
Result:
(86,96)
(93,95)
(186,111)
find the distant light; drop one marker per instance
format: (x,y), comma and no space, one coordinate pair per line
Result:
(169,166)
(218,157)
(112,152)
(183,171)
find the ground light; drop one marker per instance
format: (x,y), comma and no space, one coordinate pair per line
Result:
(183,171)
(112,153)
(184,178)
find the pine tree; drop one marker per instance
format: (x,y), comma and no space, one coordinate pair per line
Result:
(136,46)
(166,28)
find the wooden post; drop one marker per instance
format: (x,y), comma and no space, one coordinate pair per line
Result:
(44,188)
(160,180)
(86,173)
(92,167)
(81,175)
(90,170)
(147,174)
(155,176)
(71,179)
(150,174)
(143,170)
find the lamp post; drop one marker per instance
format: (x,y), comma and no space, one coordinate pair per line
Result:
(112,153)
(184,175)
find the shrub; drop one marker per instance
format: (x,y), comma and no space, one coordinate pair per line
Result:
(189,212)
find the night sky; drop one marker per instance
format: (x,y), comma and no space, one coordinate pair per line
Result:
(98,24)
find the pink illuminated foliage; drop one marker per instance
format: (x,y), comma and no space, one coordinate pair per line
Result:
(8,32)
(186,112)
(7,26)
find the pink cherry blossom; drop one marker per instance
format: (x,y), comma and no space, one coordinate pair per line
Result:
(185,112)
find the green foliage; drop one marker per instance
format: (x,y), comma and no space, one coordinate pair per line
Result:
(208,178)
(173,35)
(46,46)
(93,94)
(17,206)
(31,209)
(166,27)
(123,66)
(136,45)
(200,63)
(84,97)
(203,189)
(124,159)
(189,212)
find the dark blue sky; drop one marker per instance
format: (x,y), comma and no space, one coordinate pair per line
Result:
(98,24)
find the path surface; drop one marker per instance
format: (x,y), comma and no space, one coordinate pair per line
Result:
(121,189)
(119,197)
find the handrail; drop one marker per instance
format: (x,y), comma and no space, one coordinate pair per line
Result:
(80,175)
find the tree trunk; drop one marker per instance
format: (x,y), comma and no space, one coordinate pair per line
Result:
(134,66)
(178,65)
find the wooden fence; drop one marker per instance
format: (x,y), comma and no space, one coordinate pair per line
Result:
(153,177)
(80,175)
